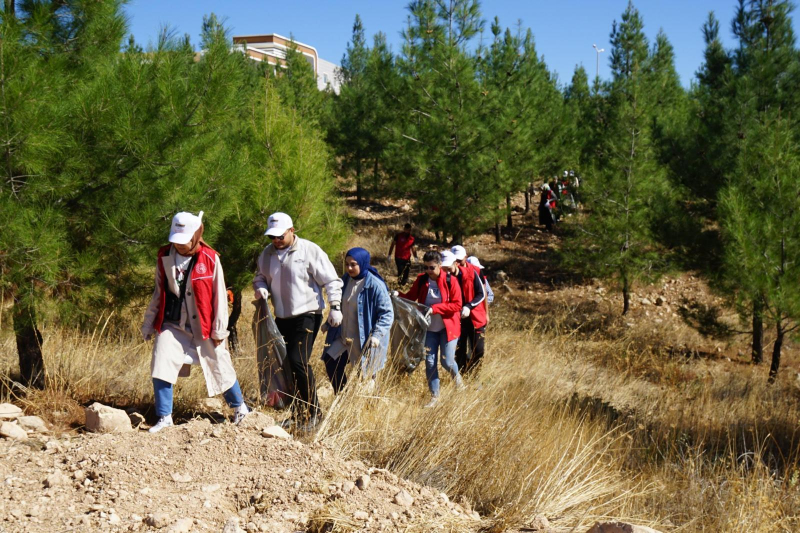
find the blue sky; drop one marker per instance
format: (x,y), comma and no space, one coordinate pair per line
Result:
(564,29)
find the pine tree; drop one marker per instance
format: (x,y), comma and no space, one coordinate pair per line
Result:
(440,139)
(296,82)
(760,212)
(629,188)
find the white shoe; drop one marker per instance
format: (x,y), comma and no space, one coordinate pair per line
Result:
(369,386)
(163,422)
(460,382)
(431,403)
(239,413)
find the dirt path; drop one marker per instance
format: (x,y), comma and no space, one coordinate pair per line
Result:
(201,476)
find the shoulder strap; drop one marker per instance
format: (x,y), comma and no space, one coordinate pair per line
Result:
(188,276)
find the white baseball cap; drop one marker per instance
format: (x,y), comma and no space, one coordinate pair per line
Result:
(448,258)
(278,224)
(184,226)
(472,260)
(459,251)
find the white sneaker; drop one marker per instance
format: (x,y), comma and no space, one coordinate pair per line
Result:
(431,403)
(239,413)
(460,382)
(163,422)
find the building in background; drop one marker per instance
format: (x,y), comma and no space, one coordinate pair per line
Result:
(272,49)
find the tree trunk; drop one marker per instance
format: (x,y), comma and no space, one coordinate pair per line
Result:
(527,200)
(509,221)
(10,6)
(359,195)
(233,338)
(776,353)
(29,345)
(626,296)
(375,179)
(758,331)
(498,237)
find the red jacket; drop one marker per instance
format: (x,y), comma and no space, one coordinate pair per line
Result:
(202,279)
(450,308)
(469,275)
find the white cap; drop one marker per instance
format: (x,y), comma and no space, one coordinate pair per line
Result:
(448,258)
(459,251)
(184,226)
(278,224)
(472,260)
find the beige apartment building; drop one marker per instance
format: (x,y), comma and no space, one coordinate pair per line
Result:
(272,48)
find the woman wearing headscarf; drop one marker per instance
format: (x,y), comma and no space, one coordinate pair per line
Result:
(188,314)
(367,316)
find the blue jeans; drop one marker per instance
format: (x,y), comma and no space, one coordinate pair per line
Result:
(434,342)
(162,390)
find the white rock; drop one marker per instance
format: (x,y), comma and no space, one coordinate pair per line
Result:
(256,420)
(157,520)
(181,478)
(275,432)
(363,482)
(539,523)
(361,515)
(211,488)
(348,487)
(620,527)
(232,526)
(209,404)
(114,519)
(32,423)
(55,479)
(104,419)
(403,499)
(9,411)
(184,525)
(11,430)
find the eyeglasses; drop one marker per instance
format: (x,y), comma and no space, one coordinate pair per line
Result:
(280,237)
(431,268)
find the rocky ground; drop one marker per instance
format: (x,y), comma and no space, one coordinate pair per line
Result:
(204,476)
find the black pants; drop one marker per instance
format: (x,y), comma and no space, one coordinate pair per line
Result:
(299,333)
(337,371)
(470,348)
(403,269)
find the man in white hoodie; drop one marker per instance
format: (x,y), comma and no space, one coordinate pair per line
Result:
(294,271)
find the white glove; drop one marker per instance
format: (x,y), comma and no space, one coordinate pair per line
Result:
(465,312)
(429,316)
(373,342)
(334,318)
(261,294)
(395,294)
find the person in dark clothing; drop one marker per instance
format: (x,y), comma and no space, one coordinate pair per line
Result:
(470,348)
(547,203)
(404,249)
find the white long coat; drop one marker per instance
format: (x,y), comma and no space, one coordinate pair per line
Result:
(173,344)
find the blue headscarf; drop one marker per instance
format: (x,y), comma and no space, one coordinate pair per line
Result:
(362,257)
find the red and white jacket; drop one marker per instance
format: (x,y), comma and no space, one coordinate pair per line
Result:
(449,308)
(206,296)
(474,294)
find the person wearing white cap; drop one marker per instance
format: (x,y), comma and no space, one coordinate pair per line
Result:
(188,314)
(469,351)
(472,260)
(294,271)
(437,289)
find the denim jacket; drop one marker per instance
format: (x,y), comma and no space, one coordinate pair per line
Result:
(375,317)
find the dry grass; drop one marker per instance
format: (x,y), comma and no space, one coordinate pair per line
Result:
(575,427)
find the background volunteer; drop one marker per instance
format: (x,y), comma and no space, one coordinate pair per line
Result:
(403,246)
(469,351)
(189,314)
(294,270)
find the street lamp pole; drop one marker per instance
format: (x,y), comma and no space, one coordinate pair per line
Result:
(598,50)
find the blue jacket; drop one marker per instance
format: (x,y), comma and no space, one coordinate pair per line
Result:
(375,317)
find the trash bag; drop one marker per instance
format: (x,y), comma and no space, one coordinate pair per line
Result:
(408,333)
(274,376)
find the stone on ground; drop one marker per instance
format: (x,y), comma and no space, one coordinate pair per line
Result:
(620,527)
(9,411)
(32,423)
(275,432)
(10,430)
(104,419)
(157,520)
(363,482)
(257,420)
(403,499)
(184,525)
